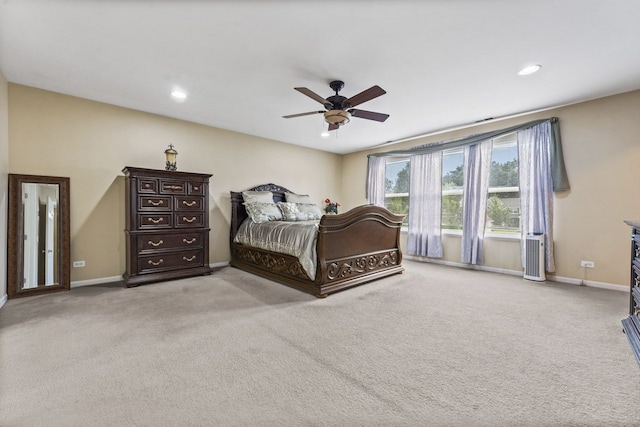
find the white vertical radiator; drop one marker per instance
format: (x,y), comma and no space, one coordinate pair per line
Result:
(534,257)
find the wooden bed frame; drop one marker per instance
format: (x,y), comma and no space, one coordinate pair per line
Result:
(352,248)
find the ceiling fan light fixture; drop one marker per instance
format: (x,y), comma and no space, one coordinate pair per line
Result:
(337,117)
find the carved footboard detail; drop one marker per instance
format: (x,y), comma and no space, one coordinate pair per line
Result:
(345,268)
(269,261)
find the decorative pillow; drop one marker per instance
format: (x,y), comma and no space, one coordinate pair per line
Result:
(263,212)
(312,210)
(289,210)
(301,216)
(257,196)
(297,198)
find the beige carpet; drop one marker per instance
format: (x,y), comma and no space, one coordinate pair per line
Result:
(433,346)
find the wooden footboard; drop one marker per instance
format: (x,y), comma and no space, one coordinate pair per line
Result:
(353,248)
(357,247)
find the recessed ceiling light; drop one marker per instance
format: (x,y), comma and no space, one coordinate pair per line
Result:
(529,69)
(325,134)
(178,94)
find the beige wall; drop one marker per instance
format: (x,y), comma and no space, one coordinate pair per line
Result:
(53,134)
(90,142)
(4,170)
(601,140)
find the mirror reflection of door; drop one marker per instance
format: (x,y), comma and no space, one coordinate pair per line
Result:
(39,206)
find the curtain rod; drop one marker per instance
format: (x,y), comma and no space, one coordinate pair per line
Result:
(460,142)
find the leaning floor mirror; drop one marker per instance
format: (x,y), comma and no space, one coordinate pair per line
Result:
(38,235)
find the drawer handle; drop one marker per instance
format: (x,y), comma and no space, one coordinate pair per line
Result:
(155,244)
(191,258)
(155,221)
(192,203)
(196,188)
(174,187)
(158,203)
(156,263)
(184,218)
(147,186)
(190,241)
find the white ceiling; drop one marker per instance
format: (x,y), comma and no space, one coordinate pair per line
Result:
(443,63)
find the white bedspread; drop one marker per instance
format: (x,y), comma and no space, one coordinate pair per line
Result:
(297,238)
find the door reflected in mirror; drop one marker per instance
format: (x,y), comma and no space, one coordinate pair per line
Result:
(38,238)
(40,213)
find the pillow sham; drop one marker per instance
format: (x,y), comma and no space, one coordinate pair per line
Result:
(301,216)
(289,210)
(263,212)
(312,210)
(257,196)
(297,198)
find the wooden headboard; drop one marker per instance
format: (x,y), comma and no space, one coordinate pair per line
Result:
(239,213)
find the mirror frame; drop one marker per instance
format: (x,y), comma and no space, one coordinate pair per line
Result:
(15,241)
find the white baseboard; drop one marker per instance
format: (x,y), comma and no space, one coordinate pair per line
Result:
(112,279)
(550,277)
(3,300)
(98,281)
(219,264)
(590,283)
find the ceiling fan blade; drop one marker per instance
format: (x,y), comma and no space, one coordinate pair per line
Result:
(332,126)
(301,114)
(370,115)
(364,96)
(311,94)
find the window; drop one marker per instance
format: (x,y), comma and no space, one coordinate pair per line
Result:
(503,205)
(397,187)
(452,175)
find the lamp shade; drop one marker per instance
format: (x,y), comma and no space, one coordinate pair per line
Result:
(337,117)
(171,156)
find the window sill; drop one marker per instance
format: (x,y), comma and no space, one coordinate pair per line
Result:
(458,233)
(503,236)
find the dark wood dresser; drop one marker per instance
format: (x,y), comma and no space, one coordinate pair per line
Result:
(167,225)
(631,324)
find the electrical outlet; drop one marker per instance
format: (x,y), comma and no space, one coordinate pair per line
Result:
(588,264)
(77,264)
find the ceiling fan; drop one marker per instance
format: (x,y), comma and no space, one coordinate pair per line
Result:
(339,109)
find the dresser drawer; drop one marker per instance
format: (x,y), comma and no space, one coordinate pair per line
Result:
(186,203)
(170,186)
(169,261)
(154,203)
(155,221)
(147,186)
(195,188)
(189,219)
(160,242)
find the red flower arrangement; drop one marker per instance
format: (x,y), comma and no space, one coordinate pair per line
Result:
(331,207)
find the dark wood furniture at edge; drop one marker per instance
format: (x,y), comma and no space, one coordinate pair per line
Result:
(167,225)
(631,324)
(352,248)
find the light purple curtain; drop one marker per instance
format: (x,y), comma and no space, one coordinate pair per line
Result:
(536,188)
(477,166)
(376,175)
(424,236)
